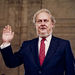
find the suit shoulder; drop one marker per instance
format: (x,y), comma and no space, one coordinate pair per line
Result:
(30,41)
(61,39)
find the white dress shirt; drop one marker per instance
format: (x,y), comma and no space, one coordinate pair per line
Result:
(47,43)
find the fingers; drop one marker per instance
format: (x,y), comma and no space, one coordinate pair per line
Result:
(7,29)
(13,34)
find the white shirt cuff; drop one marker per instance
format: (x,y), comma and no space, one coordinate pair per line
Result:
(4,45)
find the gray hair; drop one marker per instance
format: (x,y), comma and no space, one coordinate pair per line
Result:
(44,10)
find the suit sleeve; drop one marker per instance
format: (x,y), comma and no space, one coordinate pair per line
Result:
(69,60)
(11,59)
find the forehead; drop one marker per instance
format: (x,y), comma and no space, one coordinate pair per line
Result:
(43,15)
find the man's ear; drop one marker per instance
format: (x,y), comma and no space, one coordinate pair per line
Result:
(53,25)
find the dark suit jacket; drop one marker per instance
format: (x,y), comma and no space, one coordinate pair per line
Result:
(74,64)
(59,58)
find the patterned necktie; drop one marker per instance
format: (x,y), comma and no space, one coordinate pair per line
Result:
(42,51)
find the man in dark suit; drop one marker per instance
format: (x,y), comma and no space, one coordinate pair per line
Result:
(45,55)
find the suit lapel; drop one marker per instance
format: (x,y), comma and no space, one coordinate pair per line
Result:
(35,51)
(51,51)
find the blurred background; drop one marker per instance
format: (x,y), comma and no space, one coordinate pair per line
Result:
(19,14)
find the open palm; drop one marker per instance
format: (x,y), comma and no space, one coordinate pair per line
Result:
(7,35)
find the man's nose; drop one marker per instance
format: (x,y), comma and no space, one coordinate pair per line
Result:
(42,23)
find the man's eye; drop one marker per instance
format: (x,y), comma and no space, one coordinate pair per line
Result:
(39,21)
(45,20)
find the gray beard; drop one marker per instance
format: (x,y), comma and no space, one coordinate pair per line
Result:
(41,35)
(44,35)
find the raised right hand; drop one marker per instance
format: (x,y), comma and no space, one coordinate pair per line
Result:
(7,35)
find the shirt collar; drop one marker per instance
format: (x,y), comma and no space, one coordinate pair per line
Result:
(47,38)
